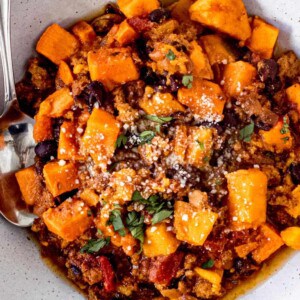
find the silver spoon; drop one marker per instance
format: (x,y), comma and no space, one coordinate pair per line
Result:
(16,139)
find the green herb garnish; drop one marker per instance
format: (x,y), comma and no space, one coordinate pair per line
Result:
(246,132)
(161,215)
(170,55)
(160,120)
(187,81)
(93,246)
(146,136)
(285,127)
(135,224)
(121,141)
(115,220)
(208,264)
(201,145)
(285,139)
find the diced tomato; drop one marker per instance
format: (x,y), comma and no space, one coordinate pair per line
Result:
(108,274)
(164,268)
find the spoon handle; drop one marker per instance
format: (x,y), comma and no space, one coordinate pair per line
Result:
(6,57)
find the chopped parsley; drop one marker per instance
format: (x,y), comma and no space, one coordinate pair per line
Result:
(187,81)
(246,132)
(94,246)
(115,219)
(159,209)
(285,127)
(170,55)
(201,145)
(146,136)
(208,264)
(121,141)
(135,224)
(285,139)
(160,120)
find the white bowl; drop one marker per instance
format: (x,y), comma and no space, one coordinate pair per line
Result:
(24,275)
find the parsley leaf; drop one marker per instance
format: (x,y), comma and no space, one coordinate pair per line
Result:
(285,139)
(94,246)
(121,141)
(246,132)
(146,136)
(136,196)
(115,220)
(201,145)
(160,120)
(208,264)
(285,127)
(187,81)
(170,55)
(161,215)
(135,225)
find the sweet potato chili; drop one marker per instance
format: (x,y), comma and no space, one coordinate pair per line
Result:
(167,158)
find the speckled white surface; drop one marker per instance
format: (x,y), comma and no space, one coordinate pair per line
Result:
(23,275)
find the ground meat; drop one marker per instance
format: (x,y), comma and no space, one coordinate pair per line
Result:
(289,67)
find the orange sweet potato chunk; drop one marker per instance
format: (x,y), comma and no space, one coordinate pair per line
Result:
(205,99)
(159,241)
(269,242)
(100,136)
(237,76)
(57,104)
(180,10)
(135,8)
(293,94)
(160,104)
(42,129)
(263,38)
(218,50)
(125,34)
(89,197)
(180,143)
(30,185)
(201,66)
(84,32)
(247,201)
(69,220)
(60,177)
(291,237)
(193,225)
(57,44)
(226,16)
(64,73)
(279,138)
(112,66)
(68,147)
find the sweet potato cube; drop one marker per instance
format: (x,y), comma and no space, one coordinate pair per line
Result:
(227,16)
(291,237)
(269,242)
(205,99)
(218,50)
(42,129)
(247,201)
(214,277)
(30,185)
(57,44)
(180,10)
(159,241)
(243,250)
(60,177)
(294,208)
(89,197)
(159,104)
(293,94)
(125,34)
(237,76)
(112,66)
(57,104)
(279,138)
(136,8)
(199,146)
(180,143)
(263,38)
(64,73)
(68,220)
(68,148)
(100,136)
(193,225)
(84,32)
(200,61)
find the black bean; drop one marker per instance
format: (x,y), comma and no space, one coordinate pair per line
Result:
(46,149)
(56,127)
(112,9)
(231,119)
(176,83)
(76,271)
(104,23)
(143,49)
(159,15)
(244,267)
(273,86)
(294,169)
(150,77)
(267,69)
